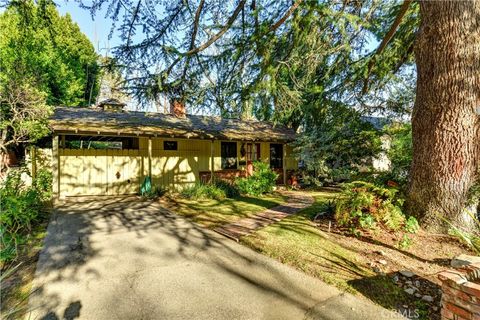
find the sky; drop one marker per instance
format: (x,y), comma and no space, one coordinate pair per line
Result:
(96,30)
(98,27)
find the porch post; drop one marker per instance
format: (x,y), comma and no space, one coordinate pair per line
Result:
(284,164)
(150,157)
(55,168)
(212,159)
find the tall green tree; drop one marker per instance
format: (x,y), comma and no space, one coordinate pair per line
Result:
(45,61)
(40,46)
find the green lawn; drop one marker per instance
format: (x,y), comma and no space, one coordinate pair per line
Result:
(212,213)
(297,242)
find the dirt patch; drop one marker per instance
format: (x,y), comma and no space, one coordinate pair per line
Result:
(427,254)
(385,253)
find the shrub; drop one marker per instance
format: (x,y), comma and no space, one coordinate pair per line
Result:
(43,184)
(21,207)
(364,205)
(216,190)
(231,191)
(262,180)
(411,225)
(405,243)
(392,216)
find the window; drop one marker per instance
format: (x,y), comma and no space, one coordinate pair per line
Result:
(229,155)
(100,142)
(276,156)
(253,151)
(170,145)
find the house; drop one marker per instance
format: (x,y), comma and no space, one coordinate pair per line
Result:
(109,151)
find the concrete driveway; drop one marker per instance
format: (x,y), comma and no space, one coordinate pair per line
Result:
(124,258)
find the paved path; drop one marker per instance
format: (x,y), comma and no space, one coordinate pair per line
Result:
(296,202)
(122,258)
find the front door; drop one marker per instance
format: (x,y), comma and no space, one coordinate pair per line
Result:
(253,154)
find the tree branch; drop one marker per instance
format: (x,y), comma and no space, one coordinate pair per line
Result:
(135,14)
(386,40)
(219,34)
(194,34)
(210,41)
(287,14)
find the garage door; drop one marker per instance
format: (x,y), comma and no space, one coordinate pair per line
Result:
(100,172)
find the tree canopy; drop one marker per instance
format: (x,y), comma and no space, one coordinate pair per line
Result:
(272,59)
(42,47)
(45,60)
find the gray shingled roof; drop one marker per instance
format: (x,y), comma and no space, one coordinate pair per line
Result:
(88,120)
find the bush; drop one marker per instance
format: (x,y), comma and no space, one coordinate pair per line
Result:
(21,207)
(43,184)
(364,205)
(405,243)
(262,180)
(411,225)
(217,190)
(231,191)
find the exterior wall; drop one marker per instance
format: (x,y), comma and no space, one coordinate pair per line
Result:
(112,171)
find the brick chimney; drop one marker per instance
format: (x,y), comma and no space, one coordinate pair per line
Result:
(177,108)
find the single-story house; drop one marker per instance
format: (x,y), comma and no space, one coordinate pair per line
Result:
(109,151)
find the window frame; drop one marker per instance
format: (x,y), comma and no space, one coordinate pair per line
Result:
(224,157)
(277,161)
(98,142)
(253,152)
(166,142)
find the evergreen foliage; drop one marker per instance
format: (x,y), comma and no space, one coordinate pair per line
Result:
(48,50)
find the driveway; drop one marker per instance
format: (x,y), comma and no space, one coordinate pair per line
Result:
(124,258)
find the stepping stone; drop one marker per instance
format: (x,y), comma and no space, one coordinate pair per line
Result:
(249,225)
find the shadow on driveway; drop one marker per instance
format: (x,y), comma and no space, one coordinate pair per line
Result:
(126,258)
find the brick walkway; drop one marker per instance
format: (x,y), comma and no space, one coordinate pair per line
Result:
(296,202)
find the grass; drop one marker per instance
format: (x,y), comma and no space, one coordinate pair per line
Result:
(212,213)
(16,288)
(296,241)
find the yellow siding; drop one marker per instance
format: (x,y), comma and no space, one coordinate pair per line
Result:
(112,172)
(175,172)
(99,172)
(265,151)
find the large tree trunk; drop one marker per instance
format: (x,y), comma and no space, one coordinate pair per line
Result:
(445,126)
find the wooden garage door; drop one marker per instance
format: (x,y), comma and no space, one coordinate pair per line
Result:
(99,172)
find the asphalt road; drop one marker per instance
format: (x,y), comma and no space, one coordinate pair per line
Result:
(123,258)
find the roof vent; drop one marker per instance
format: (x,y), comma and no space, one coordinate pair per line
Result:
(112,105)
